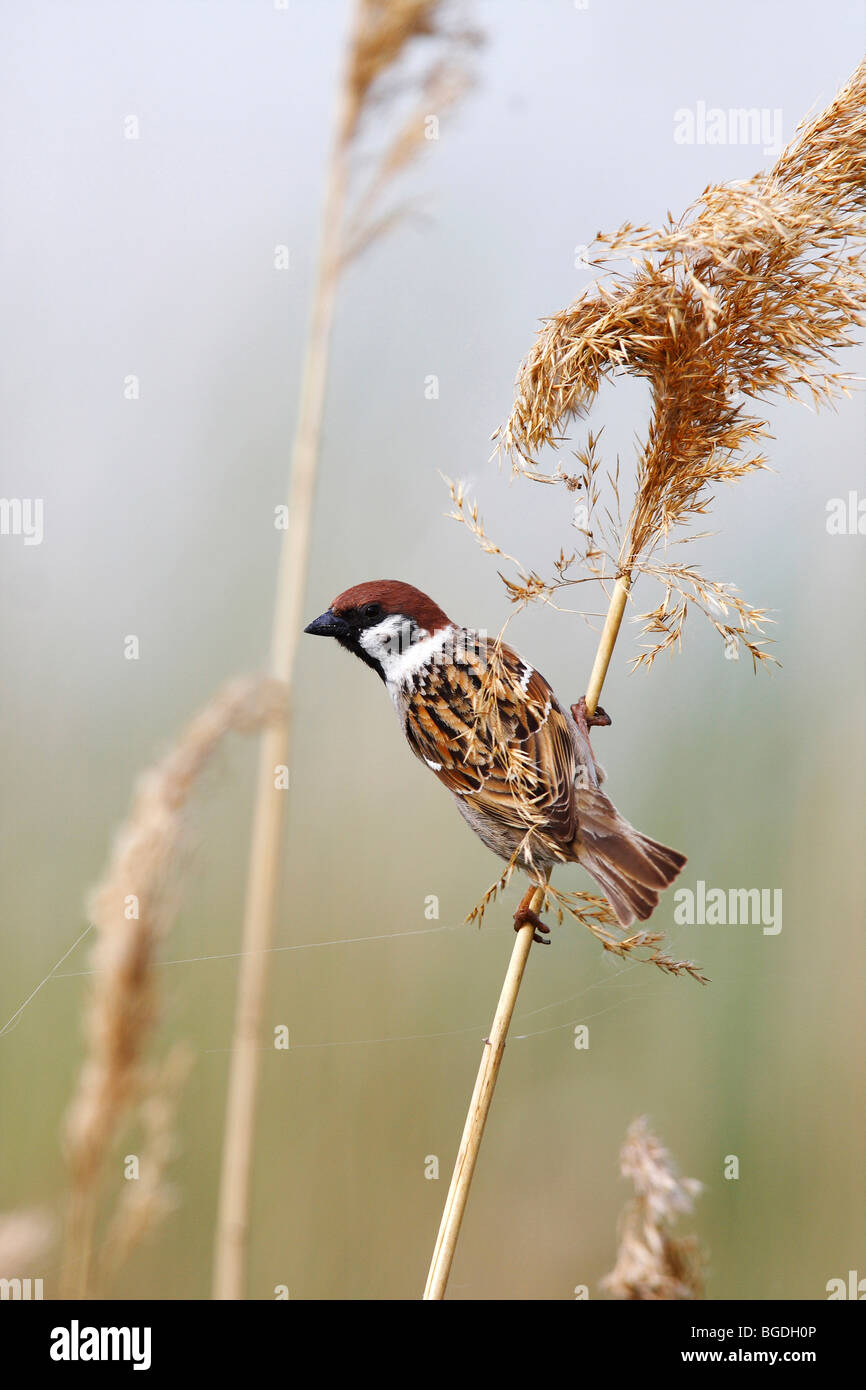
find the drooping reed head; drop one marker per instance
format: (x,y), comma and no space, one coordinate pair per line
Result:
(406,65)
(131,909)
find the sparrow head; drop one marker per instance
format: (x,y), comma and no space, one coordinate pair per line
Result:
(379,622)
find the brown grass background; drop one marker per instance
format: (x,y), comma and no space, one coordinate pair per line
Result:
(155,257)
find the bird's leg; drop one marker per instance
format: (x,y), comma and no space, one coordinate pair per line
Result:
(585,721)
(525,916)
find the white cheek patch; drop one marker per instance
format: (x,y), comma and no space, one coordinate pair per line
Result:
(387,639)
(390,643)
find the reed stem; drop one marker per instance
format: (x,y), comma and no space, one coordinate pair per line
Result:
(606,642)
(264,863)
(479,1106)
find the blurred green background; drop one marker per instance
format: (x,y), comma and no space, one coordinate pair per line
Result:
(155,257)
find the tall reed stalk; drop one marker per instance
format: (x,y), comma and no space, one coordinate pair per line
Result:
(380,33)
(265,847)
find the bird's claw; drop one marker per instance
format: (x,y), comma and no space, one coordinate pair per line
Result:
(600,718)
(524,916)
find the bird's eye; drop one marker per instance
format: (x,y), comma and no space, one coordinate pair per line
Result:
(371,611)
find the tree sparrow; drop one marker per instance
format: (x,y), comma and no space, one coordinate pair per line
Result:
(518,764)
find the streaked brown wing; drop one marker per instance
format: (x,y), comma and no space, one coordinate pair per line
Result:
(492,729)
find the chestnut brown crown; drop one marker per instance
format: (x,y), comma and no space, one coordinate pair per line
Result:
(392,596)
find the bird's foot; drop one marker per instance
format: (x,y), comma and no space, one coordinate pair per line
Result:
(524,916)
(587,721)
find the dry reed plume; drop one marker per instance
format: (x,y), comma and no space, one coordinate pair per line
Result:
(145,1203)
(385,38)
(131,910)
(749,294)
(651,1262)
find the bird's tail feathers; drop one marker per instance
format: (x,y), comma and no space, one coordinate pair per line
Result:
(630,868)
